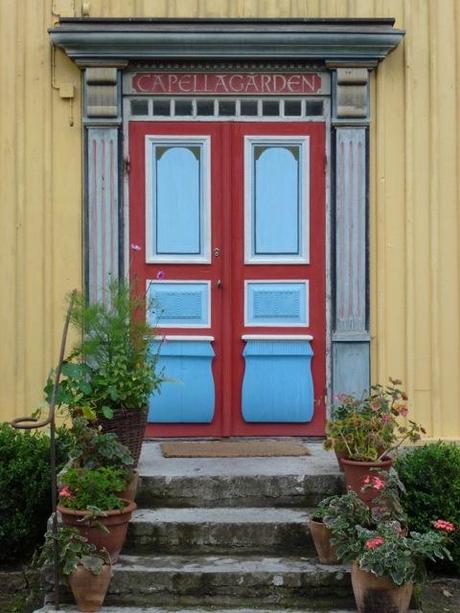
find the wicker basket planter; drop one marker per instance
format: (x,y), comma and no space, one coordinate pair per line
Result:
(129,426)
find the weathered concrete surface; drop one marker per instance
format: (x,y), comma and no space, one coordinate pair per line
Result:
(220,530)
(222,581)
(227,482)
(71,609)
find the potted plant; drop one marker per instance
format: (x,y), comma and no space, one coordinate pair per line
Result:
(93,448)
(333,524)
(365,431)
(87,571)
(386,564)
(386,558)
(111,372)
(89,501)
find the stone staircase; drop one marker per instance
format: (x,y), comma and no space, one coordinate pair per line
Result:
(229,535)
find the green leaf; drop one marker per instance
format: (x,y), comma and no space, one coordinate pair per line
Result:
(107,412)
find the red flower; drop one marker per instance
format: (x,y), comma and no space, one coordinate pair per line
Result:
(65,492)
(445,526)
(375,542)
(375,482)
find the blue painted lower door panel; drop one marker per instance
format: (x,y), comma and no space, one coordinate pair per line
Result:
(188,395)
(277,383)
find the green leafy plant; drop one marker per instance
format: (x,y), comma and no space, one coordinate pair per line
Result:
(385,552)
(95,449)
(112,366)
(377,539)
(73,551)
(366,429)
(25,498)
(93,490)
(431,476)
(341,514)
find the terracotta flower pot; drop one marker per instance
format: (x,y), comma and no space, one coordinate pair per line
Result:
(356,472)
(340,455)
(130,492)
(115,521)
(379,594)
(321,536)
(89,590)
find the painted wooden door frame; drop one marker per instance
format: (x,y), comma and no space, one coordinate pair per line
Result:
(348,48)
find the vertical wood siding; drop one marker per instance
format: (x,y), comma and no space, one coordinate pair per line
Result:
(414,191)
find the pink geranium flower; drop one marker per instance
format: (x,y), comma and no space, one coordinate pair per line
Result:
(375,542)
(445,526)
(65,492)
(374,482)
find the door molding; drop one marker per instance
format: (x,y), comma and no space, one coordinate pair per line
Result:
(348,48)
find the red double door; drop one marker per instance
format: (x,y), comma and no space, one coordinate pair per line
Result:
(227,234)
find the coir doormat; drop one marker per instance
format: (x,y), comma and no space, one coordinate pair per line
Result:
(233,449)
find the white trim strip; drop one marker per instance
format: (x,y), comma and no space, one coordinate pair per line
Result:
(277,337)
(172,337)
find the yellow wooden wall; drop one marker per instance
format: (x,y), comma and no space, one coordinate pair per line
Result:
(415,165)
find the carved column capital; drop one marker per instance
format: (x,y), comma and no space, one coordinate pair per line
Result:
(102,95)
(351,94)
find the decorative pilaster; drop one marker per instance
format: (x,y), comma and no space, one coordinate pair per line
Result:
(350,330)
(103,228)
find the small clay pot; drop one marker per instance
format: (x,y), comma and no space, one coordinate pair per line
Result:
(356,472)
(89,590)
(115,521)
(321,536)
(379,594)
(130,492)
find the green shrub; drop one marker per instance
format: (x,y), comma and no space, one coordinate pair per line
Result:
(431,475)
(25,500)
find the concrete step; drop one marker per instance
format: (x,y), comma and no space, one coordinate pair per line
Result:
(238,581)
(237,482)
(220,530)
(72,609)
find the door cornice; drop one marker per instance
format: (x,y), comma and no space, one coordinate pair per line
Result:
(362,41)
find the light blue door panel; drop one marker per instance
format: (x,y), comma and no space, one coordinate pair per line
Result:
(189,394)
(178,200)
(276,200)
(276,303)
(277,383)
(177,304)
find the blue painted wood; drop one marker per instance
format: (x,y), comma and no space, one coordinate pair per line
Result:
(177,200)
(188,396)
(351,368)
(277,383)
(276,206)
(276,303)
(178,304)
